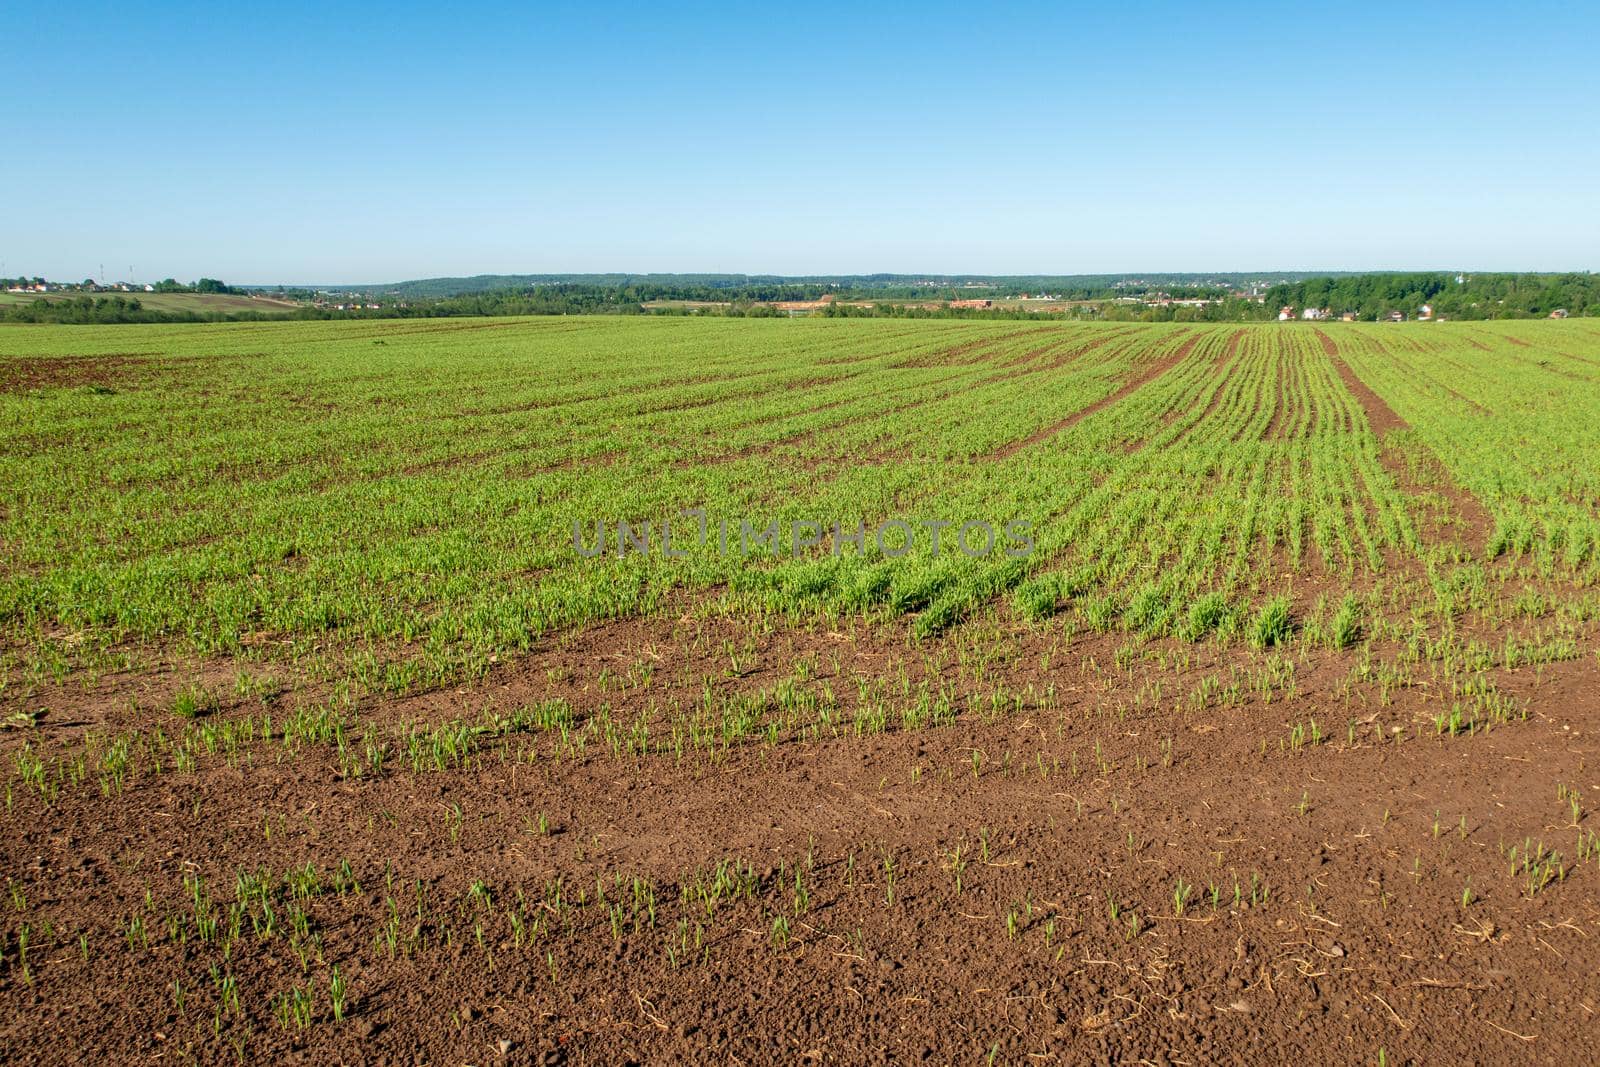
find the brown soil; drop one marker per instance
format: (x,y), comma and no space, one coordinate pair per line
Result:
(20,374)
(1280,408)
(1380,416)
(1475,522)
(1358,850)
(1029,882)
(1471,521)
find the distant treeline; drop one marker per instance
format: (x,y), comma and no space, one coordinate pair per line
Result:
(1366,296)
(738,287)
(1457,296)
(103,310)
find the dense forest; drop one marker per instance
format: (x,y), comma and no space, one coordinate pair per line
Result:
(1476,296)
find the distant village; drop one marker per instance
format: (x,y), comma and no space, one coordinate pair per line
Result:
(39,285)
(1423,314)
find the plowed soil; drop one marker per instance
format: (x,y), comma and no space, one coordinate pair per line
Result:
(1084,875)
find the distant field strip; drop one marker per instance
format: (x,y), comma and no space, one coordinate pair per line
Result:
(413,485)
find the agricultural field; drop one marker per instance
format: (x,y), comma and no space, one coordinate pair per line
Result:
(359,705)
(199,303)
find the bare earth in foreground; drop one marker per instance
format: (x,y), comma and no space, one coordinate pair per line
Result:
(1097,874)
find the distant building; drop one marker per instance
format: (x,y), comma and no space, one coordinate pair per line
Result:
(1285,313)
(974,305)
(795,308)
(1314,313)
(1396,316)
(1348,316)
(1559,313)
(1425,313)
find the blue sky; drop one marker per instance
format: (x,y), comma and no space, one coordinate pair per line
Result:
(334,143)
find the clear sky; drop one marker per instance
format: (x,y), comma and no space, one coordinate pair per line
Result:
(331,143)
